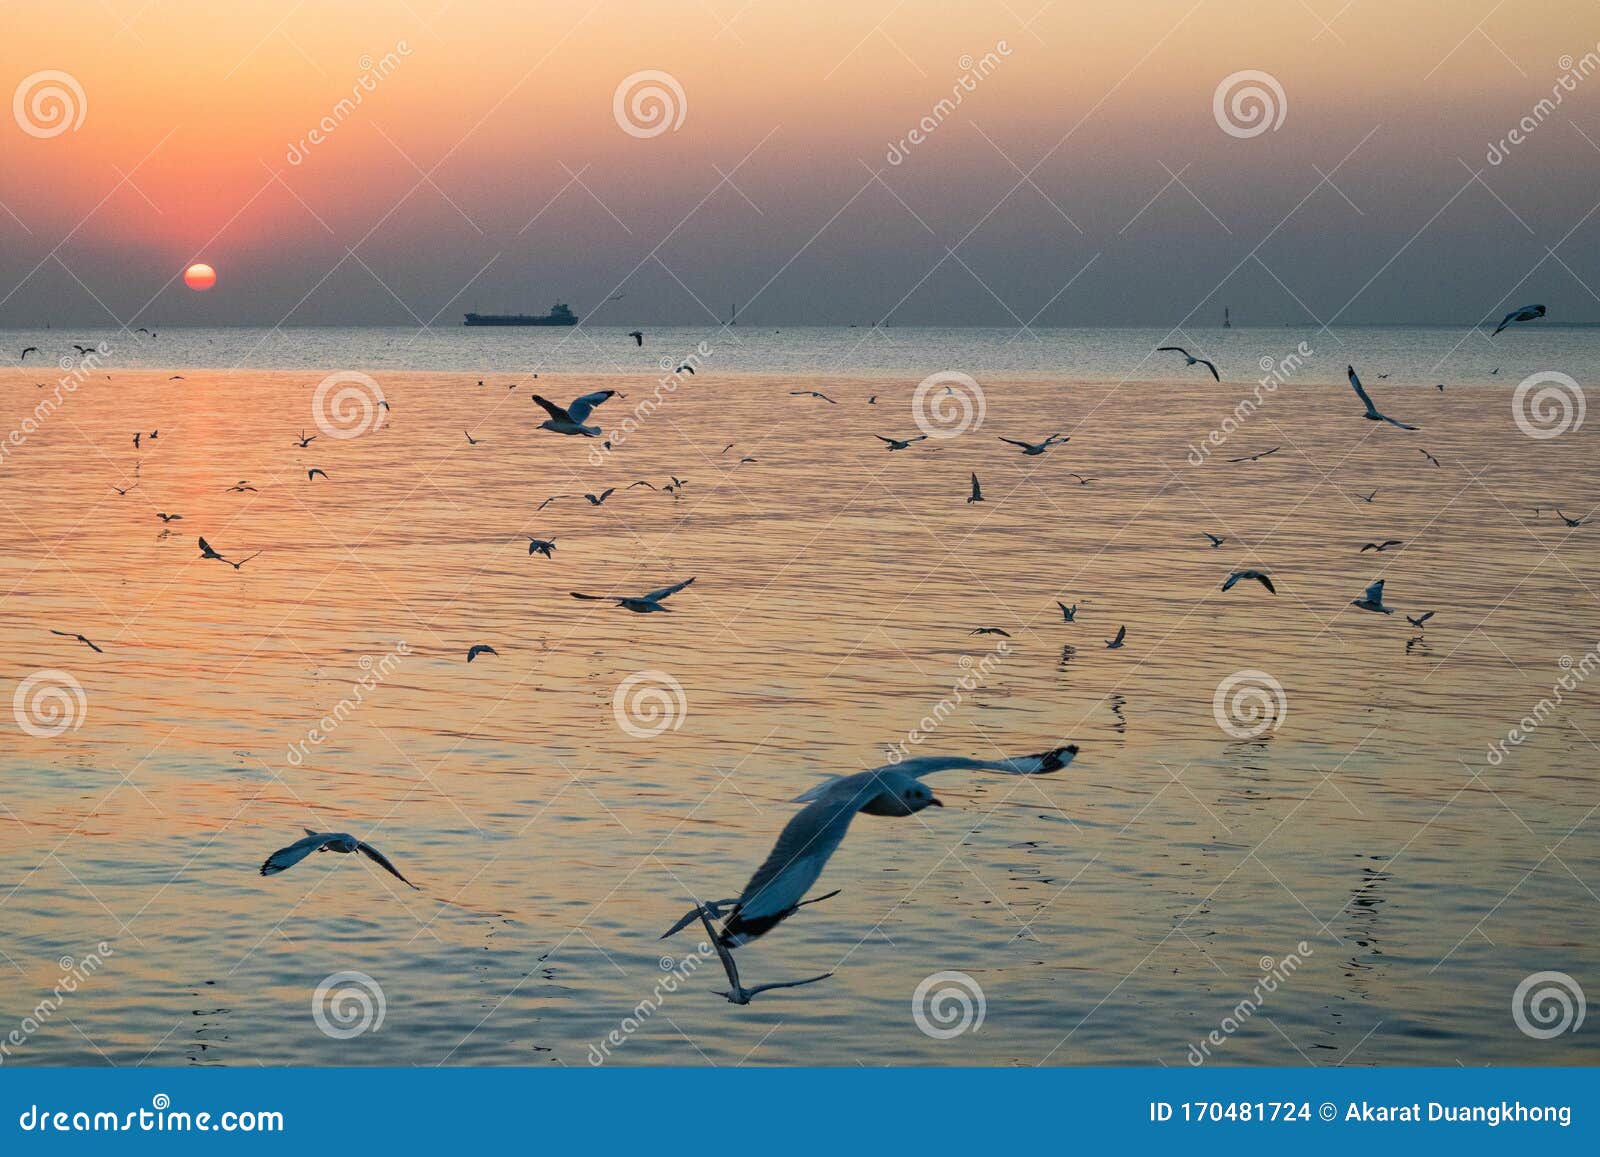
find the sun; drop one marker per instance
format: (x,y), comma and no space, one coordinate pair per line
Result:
(200,277)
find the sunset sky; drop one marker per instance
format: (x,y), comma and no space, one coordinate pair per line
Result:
(487,169)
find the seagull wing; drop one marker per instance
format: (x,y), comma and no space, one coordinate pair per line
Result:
(657,595)
(1210,367)
(1014,442)
(551,408)
(382,861)
(797,859)
(286,858)
(1355,382)
(1231,580)
(1394,422)
(582,407)
(594,598)
(1172,349)
(1266,581)
(1374,593)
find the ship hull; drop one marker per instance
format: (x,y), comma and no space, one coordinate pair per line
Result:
(516,319)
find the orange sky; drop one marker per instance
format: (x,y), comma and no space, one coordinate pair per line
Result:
(501,104)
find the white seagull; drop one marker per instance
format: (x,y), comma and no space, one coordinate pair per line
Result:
(571,420)
(1526,313)
(1372,414)
(811,837)
(286,858)
(1372,600)
(644,604)
(1189,359)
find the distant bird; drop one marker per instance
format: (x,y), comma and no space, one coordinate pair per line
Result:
(175,378)
(314,471)
(637,336)
(206,552)
(136,438)
(641,482)
(144,331)
(1082,481)
(154,434)
(729,446)
(1427,455)
(742,461)
(989,631)
(1441,387)
(79,638)
(123,489)
(1253,457)
(383,404)
(1068,614)
(813,834)
(901,443)
(1526,313)
(1368,497)
(872,401)
(82,349)
(1215,541)
(1569,521)
(1034,449)
(240,487)
(595,500)
(1372,600)
(1382,376)
(33,349)
(1384,545)
(977,491)
(169,517)
(285,858)
(480,649)
(1189,359)
(1372,414)
(471,441)
(306,439)
(571,420)
(1420,619)
(1239,576)
(644,604)
(544,546)
(686,368)
(1114,644)
(812,394)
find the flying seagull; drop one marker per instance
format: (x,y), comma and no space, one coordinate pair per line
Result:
(123,489)
(1034,449)
(1526,313)
(240,487)
(1068,614)
(80,638)
(1082,481)
(1569,521)
(33,349)
(314,471)
(1253,457)
(989,631)
(136,438)
(571,420)
(471,441)
(1372,600)
(1372,414)
(1381,546)
(641,482)
(1114,644)
(82,349)
(637,336)
(977,491)
(685,368)
(544,546)
(1427,455)
(643,604)
(306,439)
(206,552)
(1368,497)
(815,832)
(285,858)
(1420,619)
(899,443)
(1215,541)
(1239,576)
(1189,359)
(480,649)
(169,517)
(598,499)
(811,394)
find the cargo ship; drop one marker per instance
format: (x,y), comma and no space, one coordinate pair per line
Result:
(560,315)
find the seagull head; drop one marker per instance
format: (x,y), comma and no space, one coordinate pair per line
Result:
(903,795)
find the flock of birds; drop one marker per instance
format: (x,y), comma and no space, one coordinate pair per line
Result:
(778,888)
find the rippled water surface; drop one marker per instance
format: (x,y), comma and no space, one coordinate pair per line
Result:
(1116,912)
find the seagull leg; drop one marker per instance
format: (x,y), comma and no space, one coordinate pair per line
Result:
(738,993)
(716,908)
